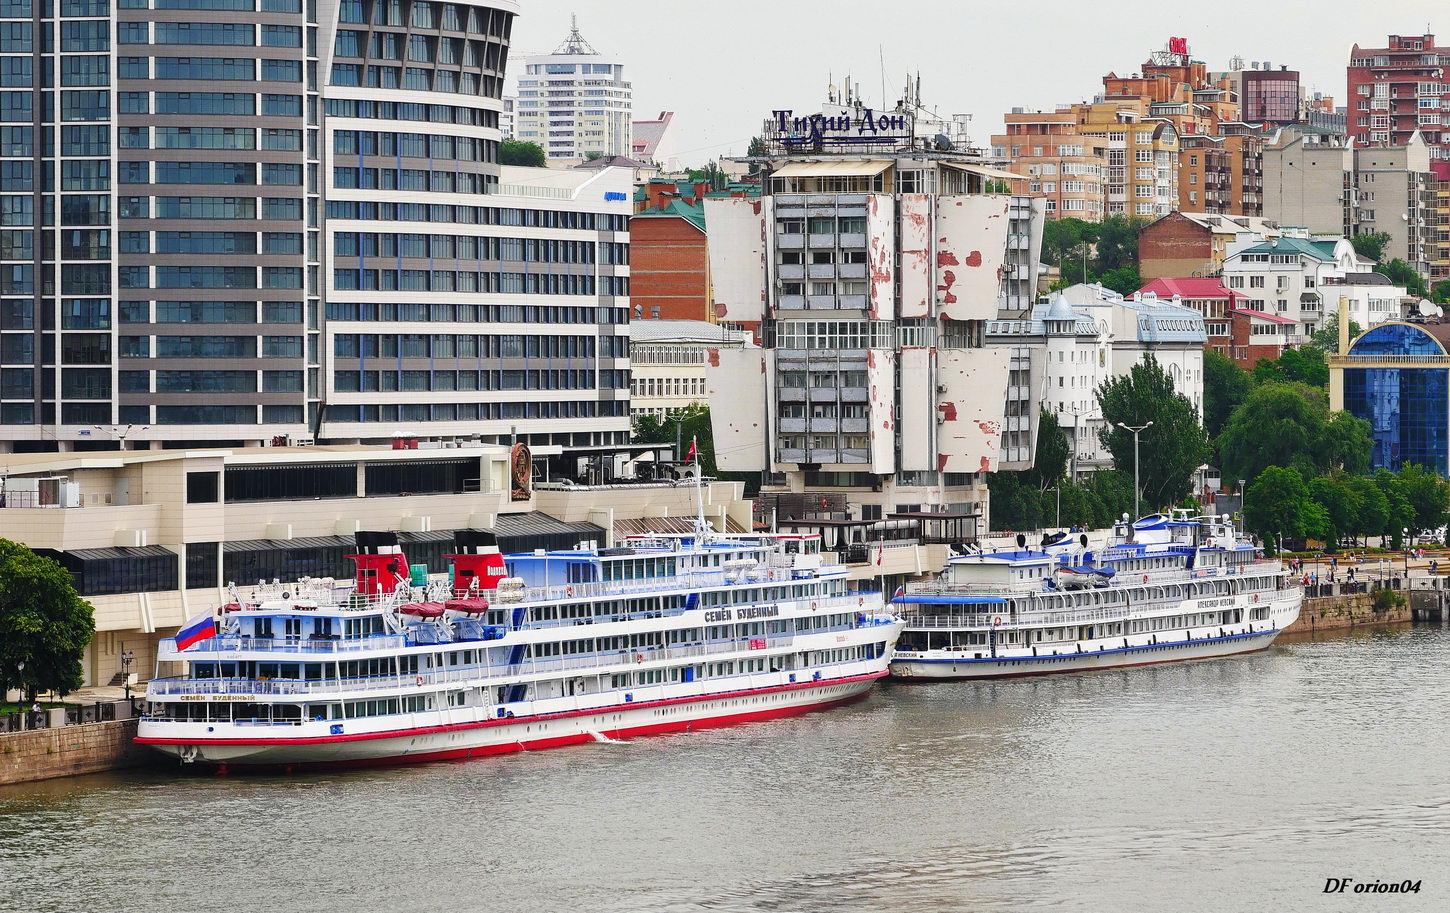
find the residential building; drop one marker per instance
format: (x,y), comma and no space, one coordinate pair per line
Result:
(1267,97)
(151,538)
(872,263)
(1321,113)
(1332,185)
(668,360)
(280,256)
(1189,243)
(1065,167)
(1305,281)
(1396,376)
(1232,329)
(1060,357)
(575,102)
(654,141)
(1398,91)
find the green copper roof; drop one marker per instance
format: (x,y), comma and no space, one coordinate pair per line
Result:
(1319,250)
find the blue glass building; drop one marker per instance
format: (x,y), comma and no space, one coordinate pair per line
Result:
(1402,391)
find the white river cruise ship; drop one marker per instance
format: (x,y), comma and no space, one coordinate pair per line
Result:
(517,652)
(1164,589)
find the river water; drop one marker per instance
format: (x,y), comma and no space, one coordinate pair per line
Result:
(1223,785)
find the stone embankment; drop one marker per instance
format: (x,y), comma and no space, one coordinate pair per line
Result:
(43,754)
(1349,610)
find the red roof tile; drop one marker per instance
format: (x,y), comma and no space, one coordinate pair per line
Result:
(1190,287)
(1275,318)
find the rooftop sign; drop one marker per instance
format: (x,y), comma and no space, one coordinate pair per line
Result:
(861,127)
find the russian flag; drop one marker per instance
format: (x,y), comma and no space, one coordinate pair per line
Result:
(200,628)
(900,591)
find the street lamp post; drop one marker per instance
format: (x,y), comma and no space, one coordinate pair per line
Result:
(127,657)
(1137,490)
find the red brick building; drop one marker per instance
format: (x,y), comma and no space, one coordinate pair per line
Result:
(1194,243)
(1242,334)
(669,265)
(1396,90)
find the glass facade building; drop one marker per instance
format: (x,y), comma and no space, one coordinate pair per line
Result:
(233,220)
(1407,404)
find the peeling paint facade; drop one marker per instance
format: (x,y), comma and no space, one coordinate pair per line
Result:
(876,274)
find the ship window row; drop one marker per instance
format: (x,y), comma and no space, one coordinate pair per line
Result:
(278,140)
(475,215)
(475,313)
(233,103)
(214,68)
(414,145)
(402,110)
(450,381)
(467,412)
(209,33)
(422,280)
(475,247)
(273,208)
(422,179)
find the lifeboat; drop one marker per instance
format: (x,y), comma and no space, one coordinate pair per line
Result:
(1077,578)
(472,605)
(422,609)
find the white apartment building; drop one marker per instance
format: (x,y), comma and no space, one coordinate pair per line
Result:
(669,359)
(1303,280)
(872,264)
(574,102)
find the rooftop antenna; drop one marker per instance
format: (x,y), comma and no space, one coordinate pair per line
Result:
(575,43)
(881,56)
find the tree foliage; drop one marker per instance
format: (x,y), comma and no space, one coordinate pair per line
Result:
(1440,291)
(1371,244)
(1295,366)
(1225,385)
(1049,459)
(1171,450)
(43,623)
(1015,503)
(1402,273)
(683,425)
(1428,496)
(1117,243)
(1065,239)
(1277,506)
(1289,425)
(1124,280)
(1326,338)
(521,152)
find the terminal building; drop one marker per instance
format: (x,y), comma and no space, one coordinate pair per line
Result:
(154,537)
(1396,376)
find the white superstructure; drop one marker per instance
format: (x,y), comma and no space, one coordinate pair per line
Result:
(1166,589)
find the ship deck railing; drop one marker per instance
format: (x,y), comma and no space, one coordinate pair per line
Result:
(233,643)
(1005,619)
(636,656)
(1117,582)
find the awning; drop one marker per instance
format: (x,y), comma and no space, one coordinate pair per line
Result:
(120,551)
(267,545)
(534,529)
(987,172)
(844,168)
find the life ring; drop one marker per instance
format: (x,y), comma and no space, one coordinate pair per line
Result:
(1145,578)
(1208,544)
(996,620)
(1256,597)
(860,600)
(420,679)
(639,657)
(568,591)
(813,607)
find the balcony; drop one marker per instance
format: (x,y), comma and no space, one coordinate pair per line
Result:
(823,394)
(791,395)
(851,302)
(790,241)
(821,302)
(826,240)
(790,303)
(854,394)
(791,425)
(855,425)
(851,270)
(790,455)
(821,271)
(790,271)
(853,239)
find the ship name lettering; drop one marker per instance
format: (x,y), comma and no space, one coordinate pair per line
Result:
(758,611)
(718,615)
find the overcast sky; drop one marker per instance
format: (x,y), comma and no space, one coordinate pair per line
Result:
(722,66)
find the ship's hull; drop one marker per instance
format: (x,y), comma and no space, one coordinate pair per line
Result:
(1011,666)
(437,743)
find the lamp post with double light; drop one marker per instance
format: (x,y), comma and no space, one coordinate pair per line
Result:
(1137,489)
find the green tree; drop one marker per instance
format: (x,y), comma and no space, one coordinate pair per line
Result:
(1302,366)
(1399,513)
(1374,510)
(1402,273)
(710,174)
(1440,291)
(1049,458)
(1371,244)
(1276,504)
(1124,280)
(1281,424)
(1225,385)
(1065,239)
(1171,449)
(1428,496)
(1326,338)
(521,152)
(1117,243)
(592,155)
(692,423)
(1015,503)
(756,149)
(43,623)
(1342,505)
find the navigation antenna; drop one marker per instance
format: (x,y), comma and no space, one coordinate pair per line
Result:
(702,531)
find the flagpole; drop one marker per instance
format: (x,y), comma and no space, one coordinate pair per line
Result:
(699,489)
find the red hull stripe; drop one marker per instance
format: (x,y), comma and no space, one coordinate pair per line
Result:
(542,717)
(456,754)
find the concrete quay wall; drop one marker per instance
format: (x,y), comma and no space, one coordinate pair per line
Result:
(1351,610)
(43,754)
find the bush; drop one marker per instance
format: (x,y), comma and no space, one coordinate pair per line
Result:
(1386,599)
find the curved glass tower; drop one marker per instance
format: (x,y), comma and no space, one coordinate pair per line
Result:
(1395,378)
